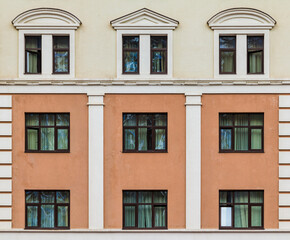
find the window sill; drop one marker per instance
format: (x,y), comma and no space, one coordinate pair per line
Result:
(241,152)
(144,151)
(46,151)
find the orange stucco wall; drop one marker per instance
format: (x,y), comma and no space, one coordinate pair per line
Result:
(54,171)
(234,171)
(144,171)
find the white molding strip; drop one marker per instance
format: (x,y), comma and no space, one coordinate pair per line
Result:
(5,213)
(5,129)
(6,143)
(5,101)
(5,199)
(5,115)
(284,157)
(5,171)
(5,157)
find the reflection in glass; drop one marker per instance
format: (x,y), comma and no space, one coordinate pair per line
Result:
(226,139)
(129,139)
(226,216)
(47,139)
(47,216)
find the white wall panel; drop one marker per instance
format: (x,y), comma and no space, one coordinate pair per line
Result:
(284,225)
(5,185)
(5,225)
(5,101)
(5,115)
(284,115)
(5,129)
(284,101)
(5,171)
(5,213)
(284,129)
(284,143)
(6,143)
(5,199)
(284,157)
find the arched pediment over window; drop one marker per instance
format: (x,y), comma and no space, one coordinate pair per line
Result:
(241,18)
(46,18)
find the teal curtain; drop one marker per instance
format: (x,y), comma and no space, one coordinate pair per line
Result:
(241,139)
(256,216)
(145,216)
(62,139)
(32,139)
(160,216)
(129,216)
(256,139)
(129,139)
(241,216)
(160,139)
(62,216)
(47,216)
(47,139)
(32,216)
(142,139)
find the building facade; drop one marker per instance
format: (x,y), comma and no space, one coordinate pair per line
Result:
(148,119)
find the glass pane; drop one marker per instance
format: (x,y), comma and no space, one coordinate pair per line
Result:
(241,139)
(256,139)
(32,216)
(47,119)
(255,42)
(129,216)
(256,197)
(130,42)
(226,216)
(62,139)
(130,62)
(62,119)
(256,119)
(160,139)
(241,216)
(241,197)
(47,216)
(61,61)
(129,139)
(33,42)
(158,41)
(47,139)
(31,197)
(62,196)
(32,139)
(160,119)
(145,197)
(33,59)
(227,62)
(160,216)
(226,139)
(226,119)
(144,216)
(60,42)
(129,120)
(47,196)
(32,119)
(62,216)
(226,197)
(159,61)
(160,196)
(255,59)
(144,139)
(227,42)
(129,197)
(241,119)
(256,216)
(145,120)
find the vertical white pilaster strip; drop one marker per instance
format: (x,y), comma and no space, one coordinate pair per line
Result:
(46,54)
(144,59)
(96,169)
(193,161)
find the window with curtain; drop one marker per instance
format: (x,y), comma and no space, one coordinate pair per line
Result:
(130,54)
(47,209)
(47,132)
(61,54)
(227,47)
(144,132)
(241,209)
(255,54)
(32,54)
(145,209)
(159,54)
(241,132)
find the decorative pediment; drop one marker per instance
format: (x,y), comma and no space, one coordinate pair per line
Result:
(241,18)
(144,19)
(46,18)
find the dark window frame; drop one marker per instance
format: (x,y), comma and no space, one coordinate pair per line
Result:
(39,70)
(153,133)
(39,134)
(130,50)
(257,50)
(39,209)
(153,209)
(234,50)
(60,49)
(233,134)
(152,50)
(232,205)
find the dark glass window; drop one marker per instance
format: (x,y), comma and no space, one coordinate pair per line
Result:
(131,54)
(144,132)
(241,132)
(241,209)
(159,54)
(227,55)
(256,54)
(47,209)
(61,54)
(32,54)
(144,209)
(47,132)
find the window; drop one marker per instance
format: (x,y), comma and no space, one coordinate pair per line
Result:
(144,132)
(158,54)
(227,55)
(255,54)
(60,54)
(241,132)
(47,209)
(145,209)
(33,54)
(241,209)
(47,132)
(130,54)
